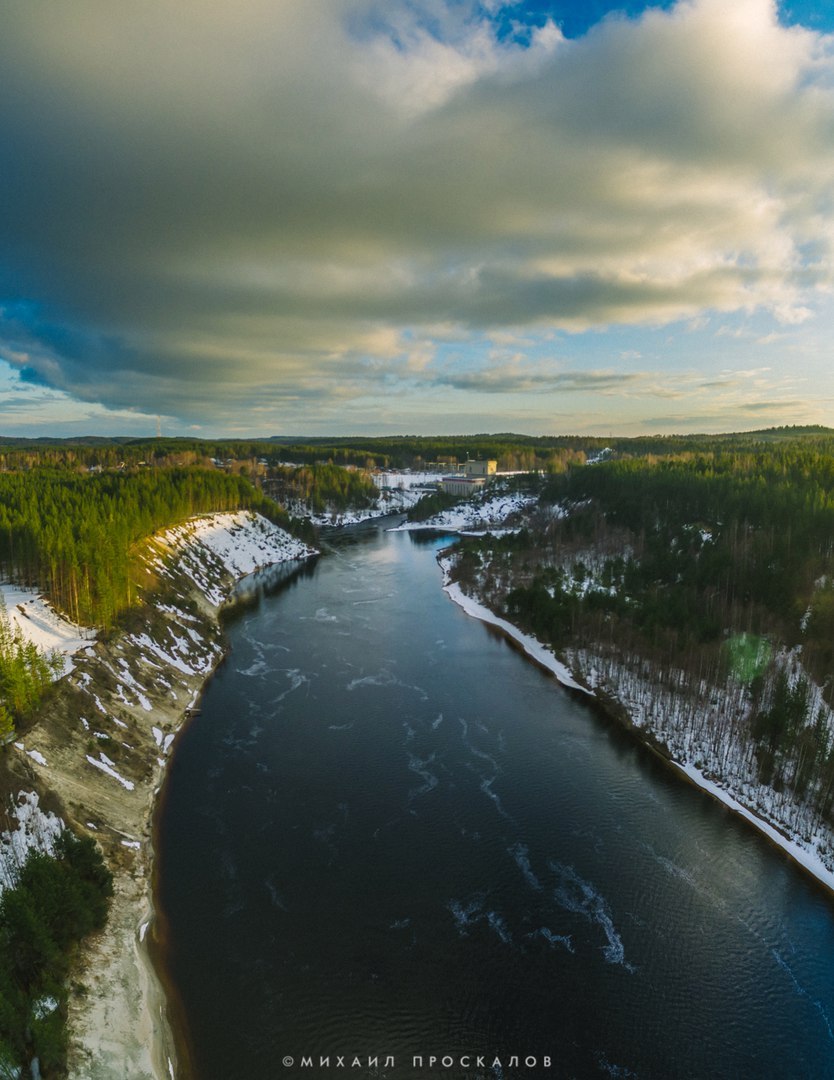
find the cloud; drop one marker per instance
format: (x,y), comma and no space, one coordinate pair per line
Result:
(217,205)
(517,378)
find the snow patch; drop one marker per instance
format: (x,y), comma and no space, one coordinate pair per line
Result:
(242,541)
(106,766)
(488,513)
(36,621)
(534,648)
(36,831)
(36,755)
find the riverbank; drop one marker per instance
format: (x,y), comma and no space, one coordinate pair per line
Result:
(98,755)
(809,860)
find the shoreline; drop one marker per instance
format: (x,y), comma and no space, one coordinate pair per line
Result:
(100,754)
(806,861)
(171,1040)
(154,944)
(130,1025)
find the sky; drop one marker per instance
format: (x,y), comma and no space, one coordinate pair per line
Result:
(415,216)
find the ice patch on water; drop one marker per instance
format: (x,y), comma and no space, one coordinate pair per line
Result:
(435,724)
(382,678)
(385,677)
(486,788)
(470,913)
(555,939)
(400,924)
(619,1072)
(296,678)
(430,781)
(259,667)
(579,896)
(466,915)
(274,895)
(521,854)
(802,992)
(499,926)
(485,757)
(464,724)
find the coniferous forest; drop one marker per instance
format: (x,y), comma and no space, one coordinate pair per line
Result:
(700,583)
(56,901)
(73,535)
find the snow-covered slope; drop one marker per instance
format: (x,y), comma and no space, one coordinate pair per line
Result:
(100,749)
(701,727)
(491,513)
(29,614)
(35,831)
(242,540)
(236,543)
(534,648)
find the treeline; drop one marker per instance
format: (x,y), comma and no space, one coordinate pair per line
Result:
(73,536)
(512,451)
(432,504)
(683,565)
(25,675)
(55,903)
(263,457)
(321,487)
(719,539)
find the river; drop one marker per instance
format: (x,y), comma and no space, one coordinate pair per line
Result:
(388,834)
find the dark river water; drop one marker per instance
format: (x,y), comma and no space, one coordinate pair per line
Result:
(388,835)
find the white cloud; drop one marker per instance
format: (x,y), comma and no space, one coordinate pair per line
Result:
(216,204)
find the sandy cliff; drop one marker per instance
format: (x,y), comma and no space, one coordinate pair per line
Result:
(97,757)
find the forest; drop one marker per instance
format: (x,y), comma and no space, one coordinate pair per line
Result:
(26,673)
(707,574)
(265,457)
(74,536)
(55,902)
(319,488)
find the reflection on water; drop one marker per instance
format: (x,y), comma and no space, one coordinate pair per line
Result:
(388,834)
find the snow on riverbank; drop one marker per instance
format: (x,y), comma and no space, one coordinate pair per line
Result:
(100,749)
(485,513)
(393,501)
(813,852)
(238,542)
(807,857)
(30,615)
(243,541)
(529,644)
